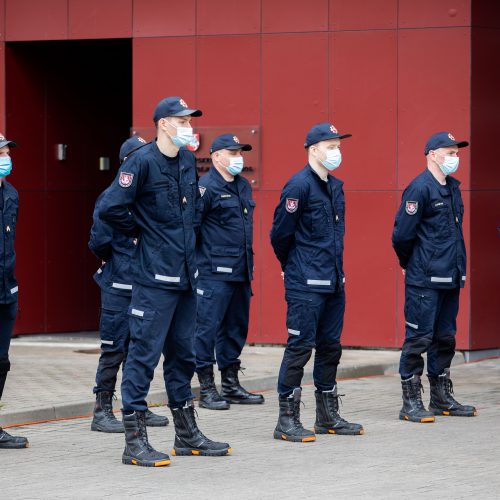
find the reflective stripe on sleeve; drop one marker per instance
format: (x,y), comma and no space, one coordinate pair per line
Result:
(319,282)
(109,342)
(437,279)
(224,269)
(136,312)
(293,332)
(168,279)
(199,292)
(196,274)
(14,290)
(122,286)
(413,325)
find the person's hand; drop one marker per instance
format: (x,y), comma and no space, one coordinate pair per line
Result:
(282,275)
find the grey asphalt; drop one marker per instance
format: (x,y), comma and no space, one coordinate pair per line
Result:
(452,458)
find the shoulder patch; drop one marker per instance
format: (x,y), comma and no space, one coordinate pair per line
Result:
(202,190)
(411,207)
(125,179)
(291,205)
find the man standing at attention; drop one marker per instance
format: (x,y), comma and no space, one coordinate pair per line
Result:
(153,199)
(225,260)
(429,243)
(308,239)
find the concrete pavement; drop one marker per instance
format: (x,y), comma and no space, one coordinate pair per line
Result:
(453,457)
(52,376)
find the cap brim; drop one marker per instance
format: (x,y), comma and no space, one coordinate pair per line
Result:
(461,144)
(8,143)
(189,112)
(243,147)
(333,136)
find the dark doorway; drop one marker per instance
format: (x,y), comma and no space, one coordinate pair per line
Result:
(77,94)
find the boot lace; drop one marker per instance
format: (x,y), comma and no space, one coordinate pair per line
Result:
(416,394)
(142,432)
(333,407)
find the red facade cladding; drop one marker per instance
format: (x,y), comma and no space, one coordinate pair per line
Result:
(391,72)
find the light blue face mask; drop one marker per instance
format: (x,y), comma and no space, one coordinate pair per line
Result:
(333,159)
(5,166)
(183,137)
(449,165)
(236,164)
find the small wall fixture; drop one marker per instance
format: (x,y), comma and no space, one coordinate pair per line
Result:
(103,163)
(61,151)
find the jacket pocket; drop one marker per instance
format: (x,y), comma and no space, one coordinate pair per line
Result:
(224,259)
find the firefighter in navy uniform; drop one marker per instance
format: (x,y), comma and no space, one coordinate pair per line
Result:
(225,262)
(114,278)
(9,205)
(429,243)
(153,199)
(308,239)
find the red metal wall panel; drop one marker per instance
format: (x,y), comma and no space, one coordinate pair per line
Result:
(485,107)
(272,291)
(217,17)
(432,13)
(363,90)
(2,88)
(292,100)
(484,279)
(433,95)
(154,18)
(98,19)
(370,269)
(2,22)
(31,257)
(155,76)
(40,20)
(363,15)
(255,325)
(294,15)
(230,92)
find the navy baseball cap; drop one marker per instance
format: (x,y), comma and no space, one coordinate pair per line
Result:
(228,141)
(323,132)
(443,140)
(5,142)
(173,106)
(130,145)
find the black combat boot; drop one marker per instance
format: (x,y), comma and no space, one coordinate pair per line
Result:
(442,402)
(10,442)
(413,407)
(189,440)
(137,450)
(209,397)
(328,420)
(154,420)
(232,390)
(289,427)
(104,419)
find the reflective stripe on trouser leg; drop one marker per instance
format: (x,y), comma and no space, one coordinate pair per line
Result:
(4,369)
(328,348)
(147,338)
(442,348)
(213,298)
(180,361)
(233,333)
(421,308)
(302,318)
(8,314)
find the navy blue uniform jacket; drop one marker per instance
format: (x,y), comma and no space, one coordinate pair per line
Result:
(427,236)
(8,286)
(225,213)
(116,250)
(150,201)
(308,232)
